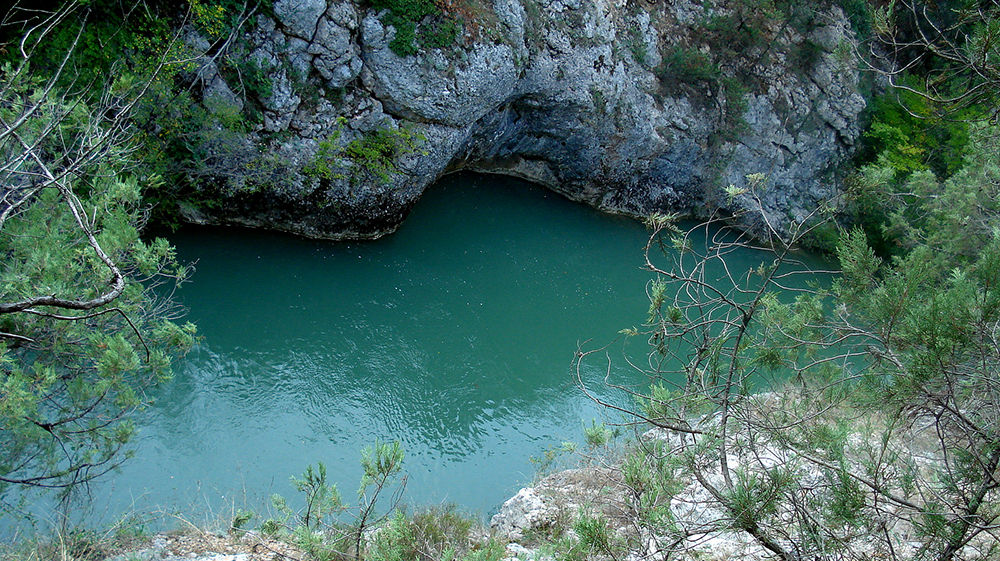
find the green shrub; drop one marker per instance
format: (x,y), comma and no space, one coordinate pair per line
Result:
(326,162)
(406,32)
(600,102)
(596,536)
(376,152)
(906,136)
(250,74)
(109,39)
(859,13)
(412,31)
(317,528)
(733,34)
(805,55)
(598,434)
(409,10)
(373,153)
(437,533)
(439,34)
(736,105)
(492,550)
(907,133)
(393,541)
(848,501)
(637,46)
(239,522)
(685,65)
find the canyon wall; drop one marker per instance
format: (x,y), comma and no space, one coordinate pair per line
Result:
(633,108)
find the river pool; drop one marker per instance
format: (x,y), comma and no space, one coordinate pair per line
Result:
(455,336)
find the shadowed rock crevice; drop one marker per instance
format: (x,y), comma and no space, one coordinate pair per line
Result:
(633,109)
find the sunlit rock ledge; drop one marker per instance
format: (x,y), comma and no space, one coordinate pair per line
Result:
(628,108)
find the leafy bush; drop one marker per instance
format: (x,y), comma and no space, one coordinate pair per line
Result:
(393,541)
(408,17)
(325,163)
(859,13)
(906,133)
(734,34)
(376,152)
(83,335)
(406,33)
(688,65)
(805,55)
(600,101)
(736,104)
(249,73)
(637,46)
(408,10)
(437,533)
(905,136)
(907,345)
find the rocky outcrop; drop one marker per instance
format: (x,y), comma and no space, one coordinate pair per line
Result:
(675,514)
(629,107)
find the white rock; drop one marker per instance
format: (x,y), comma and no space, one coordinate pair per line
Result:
(522,512)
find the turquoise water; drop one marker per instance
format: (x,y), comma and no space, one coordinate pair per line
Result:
(455,336)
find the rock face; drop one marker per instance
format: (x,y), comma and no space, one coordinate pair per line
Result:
(632,108)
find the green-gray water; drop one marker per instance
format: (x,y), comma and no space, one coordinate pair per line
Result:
(454,335)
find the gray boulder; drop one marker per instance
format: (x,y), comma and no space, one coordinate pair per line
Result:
(603,104)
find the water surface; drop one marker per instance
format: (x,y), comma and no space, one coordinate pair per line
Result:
(455,336)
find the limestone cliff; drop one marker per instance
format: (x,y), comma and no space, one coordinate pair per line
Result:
(627,106)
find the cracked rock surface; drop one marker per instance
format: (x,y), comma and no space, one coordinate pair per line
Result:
(585,97)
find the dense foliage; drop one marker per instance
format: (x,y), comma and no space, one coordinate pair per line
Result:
(84,329)
(943,52)
(942,65)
